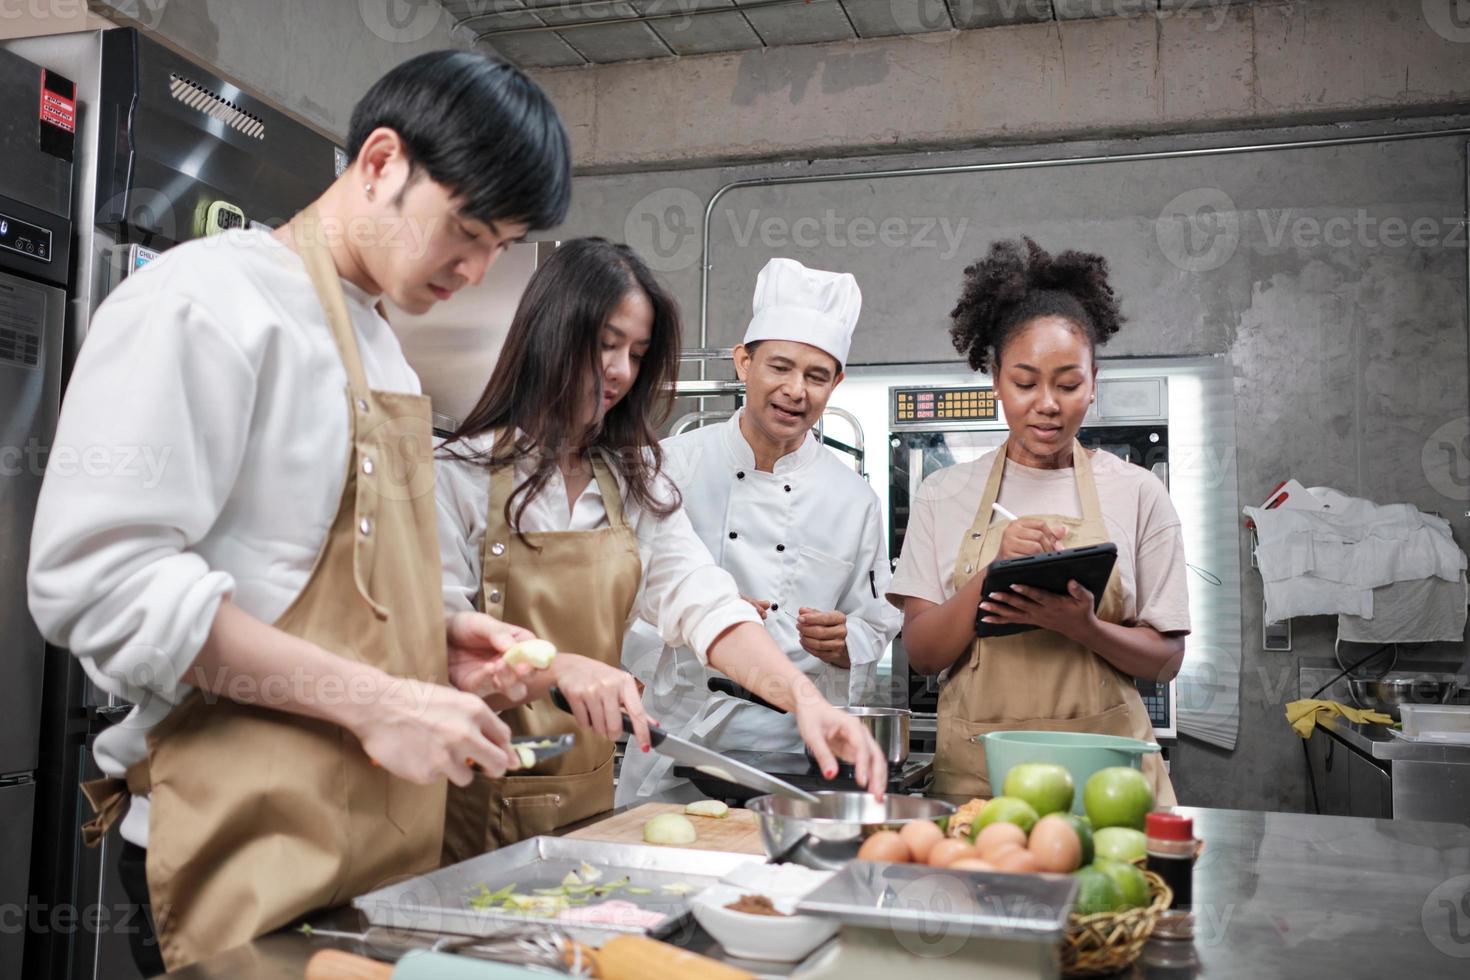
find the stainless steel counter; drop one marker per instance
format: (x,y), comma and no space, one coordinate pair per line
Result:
(1376,741)
(1277,894)
(1364,771)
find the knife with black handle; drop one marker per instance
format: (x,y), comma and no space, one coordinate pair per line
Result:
(705,760)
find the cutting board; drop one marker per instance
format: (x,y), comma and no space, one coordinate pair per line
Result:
(738,832)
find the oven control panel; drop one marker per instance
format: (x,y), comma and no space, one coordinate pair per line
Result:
(957,404)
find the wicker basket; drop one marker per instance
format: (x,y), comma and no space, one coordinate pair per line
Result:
(1107,942)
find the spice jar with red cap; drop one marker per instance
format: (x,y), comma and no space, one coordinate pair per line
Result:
(1171,849)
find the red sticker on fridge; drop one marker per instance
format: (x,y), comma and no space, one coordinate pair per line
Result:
(58,108)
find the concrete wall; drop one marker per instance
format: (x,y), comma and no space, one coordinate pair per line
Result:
(1188,66)
(1332,278)
(313,58)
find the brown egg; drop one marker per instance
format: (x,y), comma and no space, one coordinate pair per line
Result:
(1017,861)
(997,836)
(949,850)
(921,836)
(885,845)
(971,864)
(1055,844)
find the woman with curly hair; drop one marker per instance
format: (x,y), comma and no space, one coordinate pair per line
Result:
(1034,321)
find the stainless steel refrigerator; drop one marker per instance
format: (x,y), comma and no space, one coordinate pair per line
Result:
(164,150)
(37,145)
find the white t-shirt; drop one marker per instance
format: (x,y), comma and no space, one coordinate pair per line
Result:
(1136,510)
(200,454)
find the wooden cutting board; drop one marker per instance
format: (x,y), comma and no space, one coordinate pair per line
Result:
(738,832)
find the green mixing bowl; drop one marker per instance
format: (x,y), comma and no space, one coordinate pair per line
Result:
(1080,753)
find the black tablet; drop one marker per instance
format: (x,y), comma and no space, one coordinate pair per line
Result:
(1089,566)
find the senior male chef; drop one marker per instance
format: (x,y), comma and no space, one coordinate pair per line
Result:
(797,528)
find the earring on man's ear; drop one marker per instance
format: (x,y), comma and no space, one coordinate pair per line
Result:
(369,189)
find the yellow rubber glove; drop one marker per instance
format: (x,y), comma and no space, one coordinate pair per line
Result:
(1303,715)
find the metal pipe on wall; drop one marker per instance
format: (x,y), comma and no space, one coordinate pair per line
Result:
(969,168)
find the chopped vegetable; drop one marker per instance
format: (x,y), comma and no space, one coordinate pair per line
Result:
(708,808)
(588,873)
(634,890)
(669,828)
(525,756)
(488,899)
(538,653)
(546,905)
(679,888)
(306,929)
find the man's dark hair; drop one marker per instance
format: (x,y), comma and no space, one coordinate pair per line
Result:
(479,127)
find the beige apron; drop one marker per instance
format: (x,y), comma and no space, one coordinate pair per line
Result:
(258,816)
(1038,680)
(576,589)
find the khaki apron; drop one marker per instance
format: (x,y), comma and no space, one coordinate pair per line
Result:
(258,816)
(1038,680)
(576,589)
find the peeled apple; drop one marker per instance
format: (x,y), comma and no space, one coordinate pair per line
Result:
(669,828)
(538,653)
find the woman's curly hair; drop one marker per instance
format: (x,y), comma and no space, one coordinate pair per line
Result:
(1012,286)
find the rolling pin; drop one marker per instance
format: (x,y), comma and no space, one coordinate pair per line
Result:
(620,958)
(334,964)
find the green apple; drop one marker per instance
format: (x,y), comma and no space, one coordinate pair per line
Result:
(1117,797)
(1005,809)
(1045,785)
(1119,843)
(1096,891)
(1132,885)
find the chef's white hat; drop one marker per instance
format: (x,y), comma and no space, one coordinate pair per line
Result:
(808,306)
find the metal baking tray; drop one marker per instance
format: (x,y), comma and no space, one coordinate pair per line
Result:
(917,898)
(439,902)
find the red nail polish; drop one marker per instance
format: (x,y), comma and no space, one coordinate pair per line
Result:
(830,773)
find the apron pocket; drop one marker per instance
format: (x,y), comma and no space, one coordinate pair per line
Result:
(536,805)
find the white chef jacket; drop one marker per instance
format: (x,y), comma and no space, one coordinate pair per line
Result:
(807,534)
(686,597)
(201,453)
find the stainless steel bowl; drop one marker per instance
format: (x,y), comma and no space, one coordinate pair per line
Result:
(889,728)
(828,833)
(1387,694)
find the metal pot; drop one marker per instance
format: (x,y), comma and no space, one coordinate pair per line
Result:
(1386,694)
(889,728)
(827,834)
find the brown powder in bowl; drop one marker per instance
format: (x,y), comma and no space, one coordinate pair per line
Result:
(754,905)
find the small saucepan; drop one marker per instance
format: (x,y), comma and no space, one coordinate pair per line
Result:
(889,726)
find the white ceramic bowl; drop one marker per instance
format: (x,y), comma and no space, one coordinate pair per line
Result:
(774,938)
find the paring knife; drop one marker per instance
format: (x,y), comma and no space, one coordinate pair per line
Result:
(532,750)
(541,747)
(706,760)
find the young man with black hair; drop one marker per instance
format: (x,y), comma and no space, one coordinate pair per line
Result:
(270,598)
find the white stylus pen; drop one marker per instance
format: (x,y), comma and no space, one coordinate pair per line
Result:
(1004,513)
